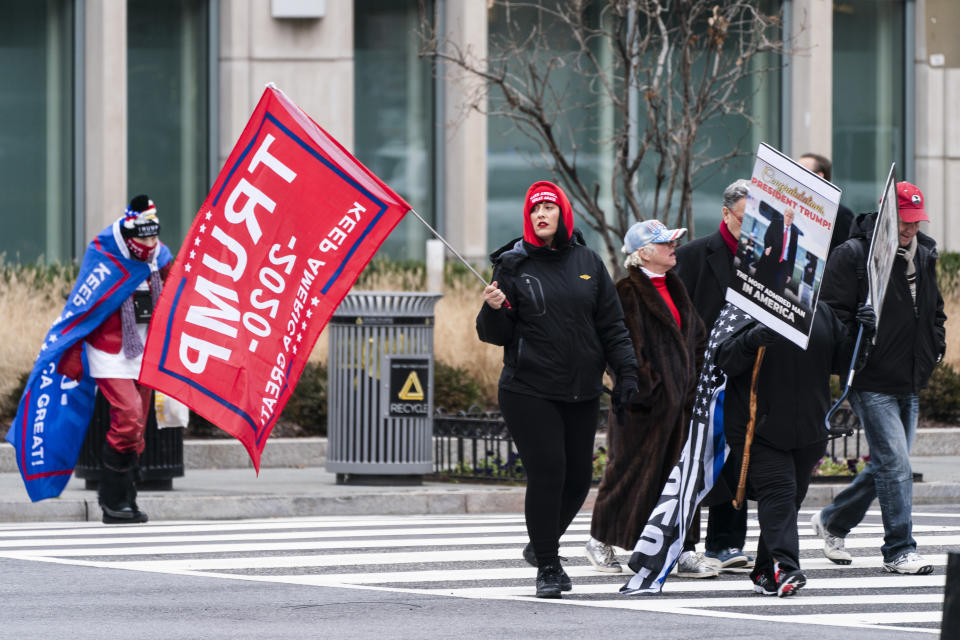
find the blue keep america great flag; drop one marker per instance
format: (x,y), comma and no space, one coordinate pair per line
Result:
(54,411)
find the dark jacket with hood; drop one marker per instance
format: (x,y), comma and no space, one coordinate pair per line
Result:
(644,449)
(793,388)
(564,323)
(909,342)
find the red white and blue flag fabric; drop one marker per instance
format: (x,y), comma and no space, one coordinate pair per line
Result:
(54,411)
(691,479)
(290,223)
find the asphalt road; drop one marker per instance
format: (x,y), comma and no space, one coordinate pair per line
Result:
(424,577)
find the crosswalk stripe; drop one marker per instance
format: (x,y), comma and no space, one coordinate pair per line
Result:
(417,555)
(175,545)
(430,557)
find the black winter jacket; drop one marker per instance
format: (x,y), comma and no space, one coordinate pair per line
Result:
(908,344)
(793,392)
(564,325)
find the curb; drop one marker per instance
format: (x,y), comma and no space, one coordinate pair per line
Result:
(312,452)
(434,500)
(204,507)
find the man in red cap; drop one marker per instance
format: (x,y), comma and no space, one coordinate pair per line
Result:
(910,340)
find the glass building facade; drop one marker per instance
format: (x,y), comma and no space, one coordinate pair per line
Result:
(394,111)
(168,125)
(869,97)
(397,114)
(37,124)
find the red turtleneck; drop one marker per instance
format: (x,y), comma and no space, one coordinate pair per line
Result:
(661,285)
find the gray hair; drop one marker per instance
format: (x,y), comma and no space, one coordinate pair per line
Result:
(736,192)
(634,259)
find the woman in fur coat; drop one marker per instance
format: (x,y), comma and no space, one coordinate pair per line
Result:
(645,439)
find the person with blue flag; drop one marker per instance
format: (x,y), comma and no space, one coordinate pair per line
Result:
(96,342)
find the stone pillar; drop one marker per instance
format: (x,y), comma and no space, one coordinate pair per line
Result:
(464,206)
(105,113)
(811,78)
(309,59)
(937,126)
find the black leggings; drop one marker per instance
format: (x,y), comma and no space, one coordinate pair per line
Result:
(555,442)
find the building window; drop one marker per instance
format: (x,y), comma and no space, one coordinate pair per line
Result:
(36,130)
(394,113)
(168,85)
(869,67)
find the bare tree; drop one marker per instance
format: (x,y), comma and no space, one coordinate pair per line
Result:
(659,69)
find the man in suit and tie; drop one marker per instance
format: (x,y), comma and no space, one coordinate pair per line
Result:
(775,268)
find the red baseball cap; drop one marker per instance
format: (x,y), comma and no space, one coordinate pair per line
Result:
(910,203)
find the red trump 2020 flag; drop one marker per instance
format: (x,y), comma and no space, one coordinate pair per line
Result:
(289,224)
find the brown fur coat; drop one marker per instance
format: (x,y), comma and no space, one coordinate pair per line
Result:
(641,453)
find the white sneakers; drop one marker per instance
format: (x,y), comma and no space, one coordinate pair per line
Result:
(833,548)
(910,562)
(602,557)
(832,545)
(694,565)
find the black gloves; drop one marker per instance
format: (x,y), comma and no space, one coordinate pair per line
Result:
(629,391)
(867,318)
(759,336)
(625,394)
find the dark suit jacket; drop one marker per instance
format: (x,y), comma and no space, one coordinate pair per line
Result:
(705,267)
(841,228)
(769,265)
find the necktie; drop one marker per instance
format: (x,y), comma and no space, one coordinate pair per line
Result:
(786,234)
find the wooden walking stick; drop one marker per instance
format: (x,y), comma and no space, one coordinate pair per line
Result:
(739,501)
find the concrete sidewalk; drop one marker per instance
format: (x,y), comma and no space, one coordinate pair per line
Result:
(307,489)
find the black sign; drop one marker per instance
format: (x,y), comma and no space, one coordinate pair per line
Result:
(409,387)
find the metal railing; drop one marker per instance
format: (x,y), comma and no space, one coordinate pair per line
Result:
(475,445)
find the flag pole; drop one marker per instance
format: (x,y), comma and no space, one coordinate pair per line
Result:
(447,245)
(738,501)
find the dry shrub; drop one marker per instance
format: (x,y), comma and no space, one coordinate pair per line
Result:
(455,335)
(455,338)
(951,305)
(30,299)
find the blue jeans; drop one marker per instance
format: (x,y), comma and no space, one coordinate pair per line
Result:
(890,423)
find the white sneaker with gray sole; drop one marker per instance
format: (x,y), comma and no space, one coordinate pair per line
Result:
(694,565)
(910,563)
(833,547)
(602,556)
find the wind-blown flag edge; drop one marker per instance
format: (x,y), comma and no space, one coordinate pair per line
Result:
(349,167)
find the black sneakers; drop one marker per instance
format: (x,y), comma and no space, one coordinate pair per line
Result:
(549,581)
(790,582)
(528,554)
(764,584)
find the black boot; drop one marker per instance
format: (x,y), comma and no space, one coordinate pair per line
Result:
(138,516)
(116,488)
(548,581)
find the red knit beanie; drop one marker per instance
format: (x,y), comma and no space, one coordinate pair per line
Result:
(544,191)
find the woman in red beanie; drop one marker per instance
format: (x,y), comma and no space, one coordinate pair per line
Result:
(554,309)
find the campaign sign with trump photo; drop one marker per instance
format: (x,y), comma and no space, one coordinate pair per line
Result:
(291,221)
(783,245)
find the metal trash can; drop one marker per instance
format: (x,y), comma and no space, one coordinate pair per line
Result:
(380,393)
(160,462)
